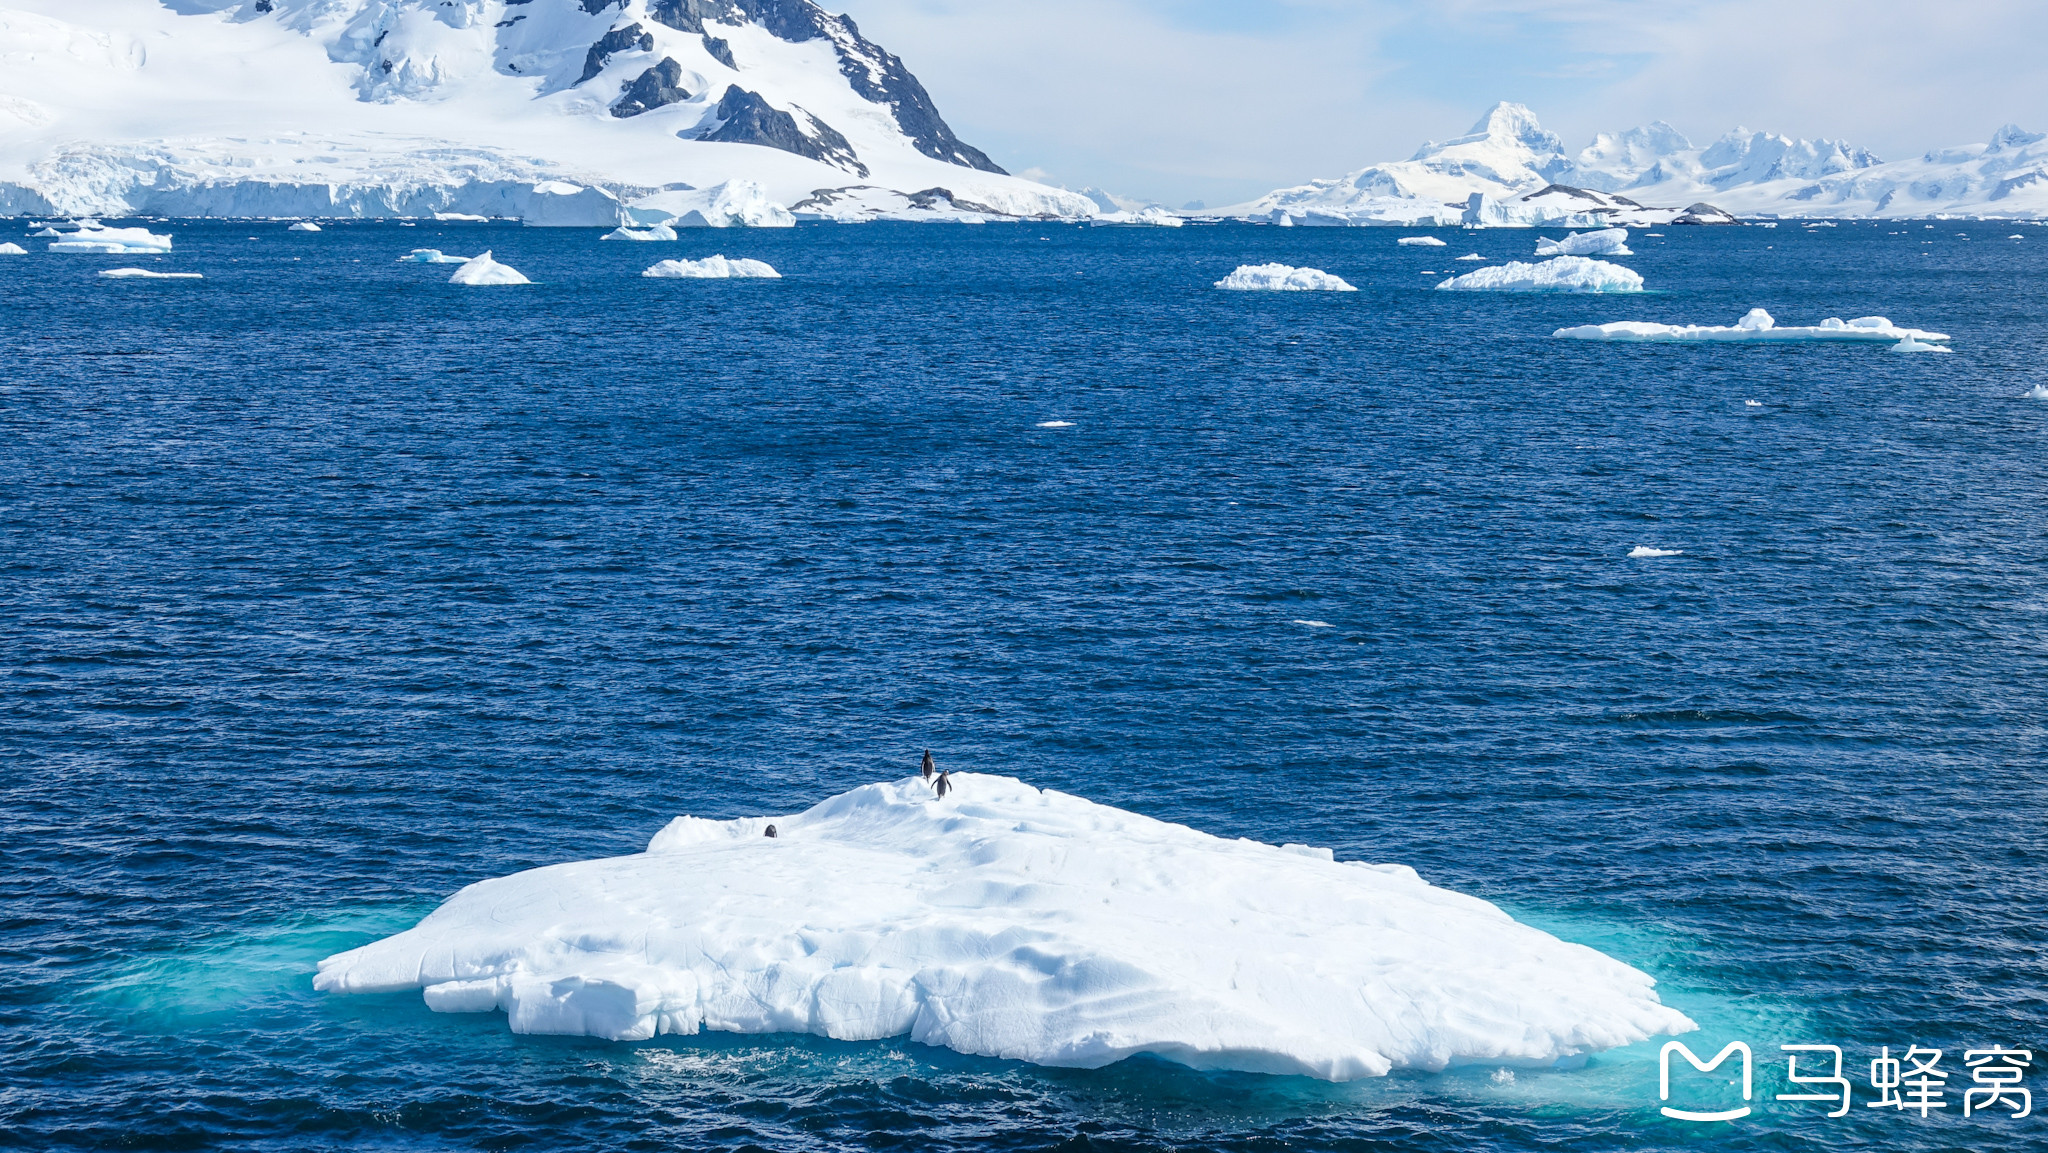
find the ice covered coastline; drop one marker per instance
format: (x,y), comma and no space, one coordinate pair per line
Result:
(1012,922)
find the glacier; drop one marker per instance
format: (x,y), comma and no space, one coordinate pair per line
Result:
(1282,278)
(1019,923)
(1757,326)
(713,268)
(1562,274)
(482,270)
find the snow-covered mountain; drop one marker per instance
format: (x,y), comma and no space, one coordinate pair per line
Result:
(1508,170)
(552,111)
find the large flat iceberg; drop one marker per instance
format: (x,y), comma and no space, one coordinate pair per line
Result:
(1011,922)
(1755,325)
(1605,242)
(92,237)
(713,268)
(1282,278)
(1564,274)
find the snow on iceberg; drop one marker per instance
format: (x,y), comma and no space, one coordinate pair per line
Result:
(1420,242)
(431,256)
(712,268)
(1011,922)
(304,226)
(656,232)
(91,237)
(1755,325)
(481,269)
(12,249)
(1283,278)
(1606,242)
(146,274)
(1563,274)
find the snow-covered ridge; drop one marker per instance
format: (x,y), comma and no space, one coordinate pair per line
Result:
(1009,922)
(549,111)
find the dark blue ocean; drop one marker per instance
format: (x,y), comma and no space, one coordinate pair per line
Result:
(327,588)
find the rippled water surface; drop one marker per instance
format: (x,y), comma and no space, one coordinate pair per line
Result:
(327,588)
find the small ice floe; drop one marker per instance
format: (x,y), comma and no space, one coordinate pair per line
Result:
(1563,274)
(654,232)
(146,274)
(1752,404)
(1420,242)
(431,256)
(1643,550)
(1909,344)
(1471,256)
(1755,325)
(2016,236)
(1055,424)
(1820,224)
(45,230)
(2038,392)
(1282,278)
(460,218)
(1606,242)
(304,226)
(1658,235)
(713,268)
(481,269)
(1316,624)
(1774,224)
(12,249)
(91,237)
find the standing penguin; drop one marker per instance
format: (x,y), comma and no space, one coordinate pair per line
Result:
(944,784)
(927,764)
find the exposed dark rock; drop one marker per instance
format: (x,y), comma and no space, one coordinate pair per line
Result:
(1704,213)
(720,51)
(930,199)
(263,5)
(595,6)
(658,86)
(745,118)
(615,41)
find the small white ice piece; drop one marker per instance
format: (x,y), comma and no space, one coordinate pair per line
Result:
(146,274)
(1606,242)
(1010,922)
(1055,424)
(2038,392)
(1752,404)
(1315,624)
(431,256)
(304,226)
(1282,278)
(1471,256)
(481,269)
(12,249)
(1908,344)
(1755,325)
(1420,242)
(1563,274)
(1643,550)
(652,232)
(713,268)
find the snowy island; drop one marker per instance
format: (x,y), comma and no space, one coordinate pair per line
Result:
(1013,922)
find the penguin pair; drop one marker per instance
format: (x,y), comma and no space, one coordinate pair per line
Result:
(944,784)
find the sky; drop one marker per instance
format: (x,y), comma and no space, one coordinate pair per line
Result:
(1182,100)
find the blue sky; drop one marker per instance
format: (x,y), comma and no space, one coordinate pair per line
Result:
(1202,99)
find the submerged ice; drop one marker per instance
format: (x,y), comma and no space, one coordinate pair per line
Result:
(1283,278)
(1012,922)
(1563,274)
(1755,325)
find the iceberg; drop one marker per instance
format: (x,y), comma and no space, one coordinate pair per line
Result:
(1011,922)
(1642,551)
(733,204)
(481,269)
(712,268)
(1420,242)
(1910,344)
(656,232)
(11,249)
(1755,325)
(1471,256)
(304,226)
(1562,274)
(431,256)
(1283,278)
(146,274)
(1606,242)
(2038,392)
(91,237)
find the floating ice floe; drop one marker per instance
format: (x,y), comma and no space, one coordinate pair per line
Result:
(652,232)
(12,249)
(92,237)
(304,226)
(1756,325)
(481,269)
(1283,278)
(45,230)
(1564,274)
(713,268)
(1153,216)
(431,256)
(1643,550)
(1471,256)
(1010,922)
(1315,624)
(1420,242)
(2038,392)
(1055,424)
(1606,242)
(146,274)
(1911,344)
(460,218)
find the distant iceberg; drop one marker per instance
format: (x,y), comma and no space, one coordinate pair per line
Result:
(146,274)
(1021,924)
(91,237)
(1152,215)
(1471,256)
(1420,242)
(652,233)
(1756,325)
(461,218)
(1643,551)
(2038,392)
(431,256)
(1606,242)
(712,268)
(304,226)
(482,269)
(1283,278)
(12,249)
(1563,274)
(1910,344)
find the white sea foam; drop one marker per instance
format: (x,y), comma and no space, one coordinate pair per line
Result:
(481,269)
(1420,242)
(713,268)
(431,256)
(11,249)
(1014,923)
(1316,624)
(653,232)
(1643,550)
(146,274)
(1755,325)
(1563,274)
(304,226)
(1605,242)
(1055,424)
(1282,278)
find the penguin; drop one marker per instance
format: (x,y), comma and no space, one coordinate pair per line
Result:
(944,784)
(927,764)
(771,830)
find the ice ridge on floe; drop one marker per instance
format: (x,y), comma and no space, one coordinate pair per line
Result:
(481,269)
(1755,325)
(1282,278)
(1011,922)
(713,268)
(1561,274)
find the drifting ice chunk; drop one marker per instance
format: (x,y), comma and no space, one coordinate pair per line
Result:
(1643,550)
(1564,274)
(304,226)
(45,230)
(12,250)
(146,274)
(2038,392)
(657,232)
(1909,344)
(712,268)
(1756,325)
(1420,242)
(431,256)
(93,238)
(1014,923)
(460,218)
(1606,242)
(1471,256)
(483,270)
(1283,278)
